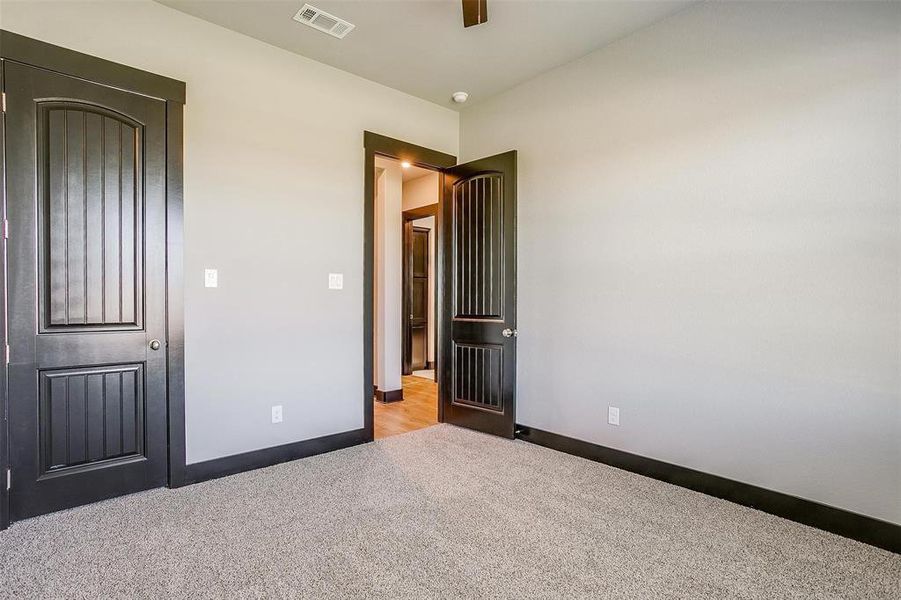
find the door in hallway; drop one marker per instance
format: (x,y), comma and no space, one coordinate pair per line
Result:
(86,186)
(478,344)
(418,326)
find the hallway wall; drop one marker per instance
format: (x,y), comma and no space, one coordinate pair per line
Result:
(388,302)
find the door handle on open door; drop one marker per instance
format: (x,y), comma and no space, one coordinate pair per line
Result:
(509,332)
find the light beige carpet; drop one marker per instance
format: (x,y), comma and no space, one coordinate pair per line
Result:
(438,513)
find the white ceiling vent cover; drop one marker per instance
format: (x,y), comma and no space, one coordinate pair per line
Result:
(321,20)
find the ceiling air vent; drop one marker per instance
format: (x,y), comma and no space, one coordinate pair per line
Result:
(321,20)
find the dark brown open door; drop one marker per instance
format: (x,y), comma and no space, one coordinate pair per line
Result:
(86,185)
(478,342)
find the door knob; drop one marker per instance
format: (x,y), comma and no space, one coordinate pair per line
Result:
(509,332)
(154,344)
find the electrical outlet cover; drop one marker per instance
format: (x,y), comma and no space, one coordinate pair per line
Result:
(613,415)
(211,278)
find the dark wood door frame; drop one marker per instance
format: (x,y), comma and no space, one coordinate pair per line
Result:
(15,48)
(379,145)
(420,212)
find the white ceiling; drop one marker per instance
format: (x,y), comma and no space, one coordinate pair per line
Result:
(420,46)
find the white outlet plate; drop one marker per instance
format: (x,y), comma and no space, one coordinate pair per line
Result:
(613,415)
(277,413)
(211,278)
(336,281)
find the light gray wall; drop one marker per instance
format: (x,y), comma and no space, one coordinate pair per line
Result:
(710,239)
(273,200)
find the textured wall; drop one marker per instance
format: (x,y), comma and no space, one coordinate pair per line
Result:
(273,199)
(710,239)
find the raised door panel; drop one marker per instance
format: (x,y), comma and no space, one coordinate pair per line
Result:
(420,299)
(478,237)
(420,252)
(90,218)
(419,338)
(89,415)
(478,376)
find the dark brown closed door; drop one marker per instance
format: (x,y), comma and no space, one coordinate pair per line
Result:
(478,345)
(419,299)
(87,375)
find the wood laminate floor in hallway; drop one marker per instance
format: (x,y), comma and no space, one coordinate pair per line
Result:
(418,409)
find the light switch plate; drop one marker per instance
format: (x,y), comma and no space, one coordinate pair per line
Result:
(613,415)
(211,278)
(336,281)
(277,413)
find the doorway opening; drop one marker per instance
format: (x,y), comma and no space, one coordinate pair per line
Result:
(407,201)
(420,324)
(402,226)
(472,272)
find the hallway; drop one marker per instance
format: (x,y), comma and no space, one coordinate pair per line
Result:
(417,410)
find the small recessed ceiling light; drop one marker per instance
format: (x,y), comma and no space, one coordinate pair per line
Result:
(405,165)
(460,97)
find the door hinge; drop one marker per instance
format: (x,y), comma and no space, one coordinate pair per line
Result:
(5,229)
(7,353)
(9,479)
(4,101)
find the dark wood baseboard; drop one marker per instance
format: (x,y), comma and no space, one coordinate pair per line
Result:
(257,459)
(430,365)
(390,395)
(828,518)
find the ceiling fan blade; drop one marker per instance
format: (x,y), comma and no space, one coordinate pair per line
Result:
(475,12)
